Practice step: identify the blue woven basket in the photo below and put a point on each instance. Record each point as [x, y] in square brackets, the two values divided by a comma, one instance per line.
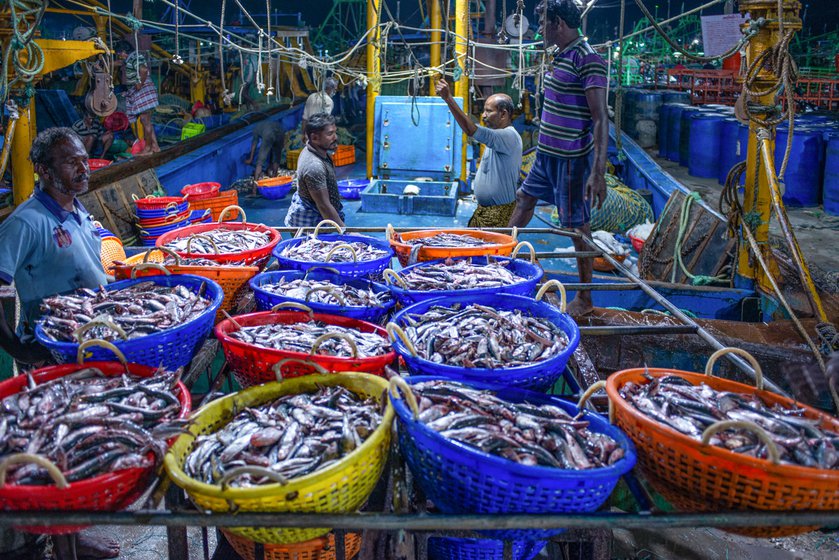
[275, 192]
[265, 300]
[162, 212]
[172, 348]
[446, 548]
[350, 189]
[531, 272]
[459, 478]
[539, 376]
[362, 269]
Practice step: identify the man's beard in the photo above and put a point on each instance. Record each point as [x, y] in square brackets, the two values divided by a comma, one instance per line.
[61, 187]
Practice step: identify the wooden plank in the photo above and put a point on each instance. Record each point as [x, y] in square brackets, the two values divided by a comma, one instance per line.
[109, 219]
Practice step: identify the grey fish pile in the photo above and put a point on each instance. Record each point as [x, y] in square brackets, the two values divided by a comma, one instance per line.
[139, 310]
[690, 409]
[89, 424]
[448, 240]
[300, 337]
[324, 291]
[317, 250]
[226, 241]
[528, 434]
[478, 336]
[198, 261]
[459, 275]
[293, 436]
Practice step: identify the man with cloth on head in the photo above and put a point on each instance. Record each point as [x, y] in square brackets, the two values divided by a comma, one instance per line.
[570, 166]
[317, 197]
[498, 175]
[320, 101]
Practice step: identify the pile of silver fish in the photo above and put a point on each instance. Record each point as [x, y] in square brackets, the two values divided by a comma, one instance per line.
[325, 292]
[226, 241]
[528, 434]
[448, 240]
[690, 409]
[317, 250]
[300, 337]
[89, 424]
[459, 275]
[139, 310]
[479, 336]
[198, 261]
[292, 436]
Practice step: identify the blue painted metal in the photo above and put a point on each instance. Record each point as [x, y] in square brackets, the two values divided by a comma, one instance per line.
[803, 177]
[54, 109]
[704, 149]
[831, 175]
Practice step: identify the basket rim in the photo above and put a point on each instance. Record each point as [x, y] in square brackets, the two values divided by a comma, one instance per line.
[621, 467]
[202, 228]
[264, 393]
[176, 269]
[335, 237]
[262, 278]
[567, 323]
[154, 202]
[616, 381]
[502, 240]
[215, 303]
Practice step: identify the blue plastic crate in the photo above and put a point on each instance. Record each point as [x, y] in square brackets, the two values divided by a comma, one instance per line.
[436, 198]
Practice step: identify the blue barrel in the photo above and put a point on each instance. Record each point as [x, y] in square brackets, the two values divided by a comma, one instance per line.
[803, 177]
[742, 147]
[674, 128]
[704, 150]
[729, 147]
[684, 134]
[682, 97]
[642, 105]
[831, 175]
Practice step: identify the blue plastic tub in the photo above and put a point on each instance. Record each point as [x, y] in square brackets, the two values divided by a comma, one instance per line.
[460, 478]
[200, 216]
[275, 192]
[350, 189]
[447, 548]
[538, 376]
[172, 348]
[532, 272]
[364, 269]
[265, 300]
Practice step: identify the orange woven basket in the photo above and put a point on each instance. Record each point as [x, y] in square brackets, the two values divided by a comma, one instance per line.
[501, 244]
[698, 477]
[322, 548]
[232, 279]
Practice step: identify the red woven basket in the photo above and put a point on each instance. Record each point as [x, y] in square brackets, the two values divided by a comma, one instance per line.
[201, 191]
[107, 492]
[252, 365]
[157, 202]
[698, 477]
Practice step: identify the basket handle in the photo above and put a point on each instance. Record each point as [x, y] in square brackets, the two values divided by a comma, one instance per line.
[397, 384]
[330, 290]
[591, 391]
[515, 234]
[342, 246]
[342, 336]
[389, 233]
[199, 236]
[232, 207]
[327, 223]
[709, 367]
[522, 245]
[771, 447]
[103, 344]
[100, 320]
[149, 265]
[164, 250]
[294, 305]
[19, 458]
[553, 284]
[834, 392]
[389, 273]
[251, 469]
[326, 268]
[278, 367]
[395, 331]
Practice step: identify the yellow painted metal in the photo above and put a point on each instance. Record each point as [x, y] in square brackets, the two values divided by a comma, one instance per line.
[461, 87]
[59, 54]
[23, 172]
[436, 36]
[374, 79]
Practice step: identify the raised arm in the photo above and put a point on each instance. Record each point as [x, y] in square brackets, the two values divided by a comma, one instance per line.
[462, 118]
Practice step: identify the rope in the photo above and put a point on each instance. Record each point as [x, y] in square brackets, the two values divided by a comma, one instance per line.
[619, 90]
[226, 98]
[684, 222]
[270, 91]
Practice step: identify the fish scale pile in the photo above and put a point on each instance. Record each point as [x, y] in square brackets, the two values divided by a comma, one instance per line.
[459, 275]
[292, 436]
[89, 424]
[226, 240]
[528, 434]
[316, 250]
[448, 240]
[690, 409]
[326, 292]
[300, 337]
[141, 309]
[479, 336]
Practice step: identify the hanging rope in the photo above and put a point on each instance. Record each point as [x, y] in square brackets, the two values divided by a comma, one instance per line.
[684, 222]
[226, 98]
[177, 58]
[270, 91]
[619, 90]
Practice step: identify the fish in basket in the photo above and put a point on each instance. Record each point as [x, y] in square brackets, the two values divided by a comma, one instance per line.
[415, 246]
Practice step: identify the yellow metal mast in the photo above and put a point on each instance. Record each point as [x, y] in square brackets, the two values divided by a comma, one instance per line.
[436, 22]
[461, 86]
[374, 79]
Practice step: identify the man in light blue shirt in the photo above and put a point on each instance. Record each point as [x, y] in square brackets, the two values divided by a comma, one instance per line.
[497, 178]
[49, 244]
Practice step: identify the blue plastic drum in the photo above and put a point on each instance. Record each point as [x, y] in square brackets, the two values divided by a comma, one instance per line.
[831, 175]
[705, 131]
[803, 177]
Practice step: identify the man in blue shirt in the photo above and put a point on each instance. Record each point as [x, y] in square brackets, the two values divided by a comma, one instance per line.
[49, 244]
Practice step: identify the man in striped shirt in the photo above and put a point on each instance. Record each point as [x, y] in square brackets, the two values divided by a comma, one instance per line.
[570, 166]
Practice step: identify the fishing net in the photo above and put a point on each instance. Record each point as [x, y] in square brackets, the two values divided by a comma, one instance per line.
[623, 209]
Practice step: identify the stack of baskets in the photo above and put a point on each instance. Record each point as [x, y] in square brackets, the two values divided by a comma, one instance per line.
[159, 215]
[112, 249]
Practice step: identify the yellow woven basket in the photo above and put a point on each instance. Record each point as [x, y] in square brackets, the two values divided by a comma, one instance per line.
[340, 488]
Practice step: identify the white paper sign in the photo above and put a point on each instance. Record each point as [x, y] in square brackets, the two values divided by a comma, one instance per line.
[720, 33]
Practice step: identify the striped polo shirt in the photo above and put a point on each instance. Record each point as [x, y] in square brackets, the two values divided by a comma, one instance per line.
[566, 120]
